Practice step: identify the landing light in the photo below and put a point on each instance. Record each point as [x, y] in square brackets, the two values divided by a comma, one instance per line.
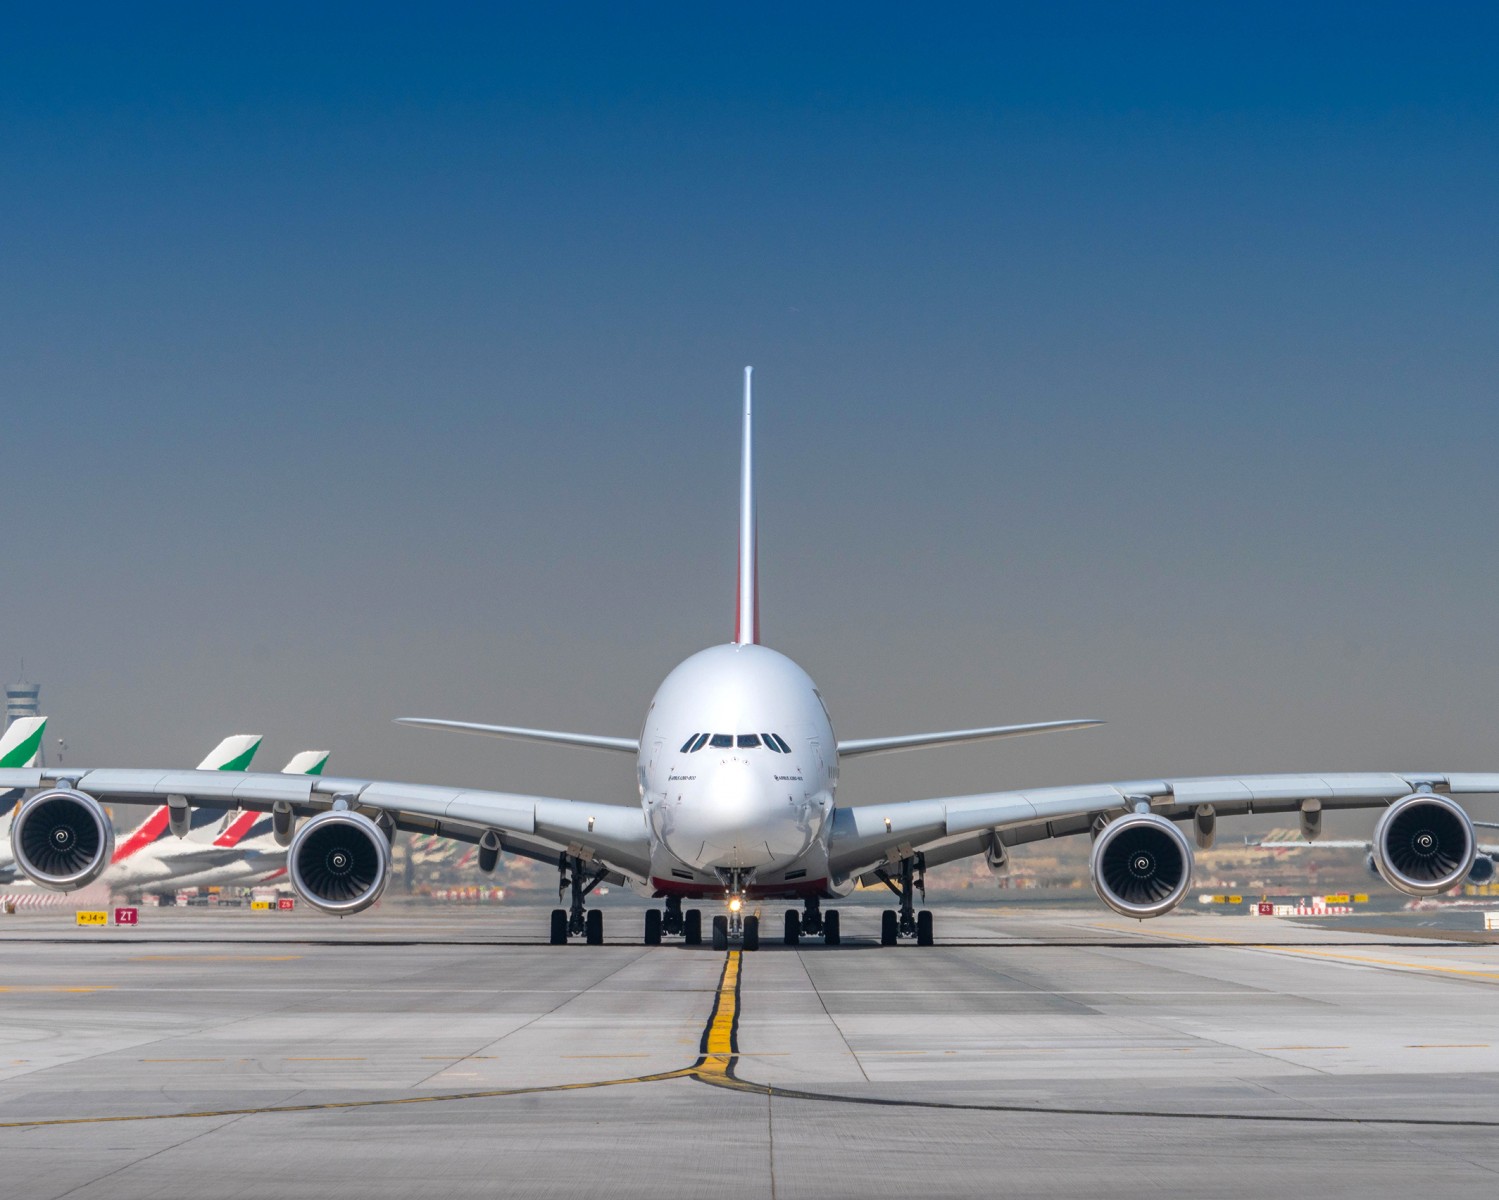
[735, 904]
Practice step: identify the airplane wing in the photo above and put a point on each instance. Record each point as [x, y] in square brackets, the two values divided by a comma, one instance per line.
[951, 737]
[533, 826]
[867, 837]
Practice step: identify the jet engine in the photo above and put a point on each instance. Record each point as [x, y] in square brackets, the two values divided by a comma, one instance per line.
[62, 839]
[1482, 870]
[1141, 865]
[1424, 844]
[339, 862]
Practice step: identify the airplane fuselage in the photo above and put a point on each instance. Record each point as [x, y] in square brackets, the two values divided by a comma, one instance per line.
[737, 769]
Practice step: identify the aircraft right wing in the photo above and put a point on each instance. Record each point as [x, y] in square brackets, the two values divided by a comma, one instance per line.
[952, 737]
[533, 826]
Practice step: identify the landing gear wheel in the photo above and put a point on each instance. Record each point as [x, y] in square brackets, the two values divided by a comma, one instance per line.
[692, 927]
[652, 927]
[924, 927]
[595, 932]
[793, 927]
[559, 926]
[889, 927]
[830, 933]
[751, 933]
[720, 933]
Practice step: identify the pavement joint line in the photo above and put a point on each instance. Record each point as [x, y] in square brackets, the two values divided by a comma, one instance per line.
[1359, 959]
[717, 1058]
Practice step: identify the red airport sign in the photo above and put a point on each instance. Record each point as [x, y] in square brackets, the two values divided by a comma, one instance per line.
[286, 904]
[127, 916]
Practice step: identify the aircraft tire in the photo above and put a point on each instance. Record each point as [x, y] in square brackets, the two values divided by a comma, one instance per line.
[692, 927]
[720, 933]
[594, 927]
[751, 933]
[559, 926]
[924, 927]
[889, 927]
[653, 927]
[831, 935]
[793, 927]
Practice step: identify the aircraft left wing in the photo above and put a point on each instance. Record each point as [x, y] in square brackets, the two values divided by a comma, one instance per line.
[534, 826]
[944, 830]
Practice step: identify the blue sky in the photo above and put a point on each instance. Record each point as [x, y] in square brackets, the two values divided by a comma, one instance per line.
[1129, 361]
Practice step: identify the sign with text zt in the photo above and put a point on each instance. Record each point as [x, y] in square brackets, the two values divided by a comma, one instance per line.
[93, 918]
[127, 916]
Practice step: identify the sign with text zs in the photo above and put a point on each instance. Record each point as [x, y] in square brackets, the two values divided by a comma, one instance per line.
[286, 904]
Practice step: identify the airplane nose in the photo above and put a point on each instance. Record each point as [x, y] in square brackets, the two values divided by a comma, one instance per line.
[735, 820]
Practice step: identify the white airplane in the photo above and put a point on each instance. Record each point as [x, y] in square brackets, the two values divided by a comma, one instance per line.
[737, 771]
[238, 851]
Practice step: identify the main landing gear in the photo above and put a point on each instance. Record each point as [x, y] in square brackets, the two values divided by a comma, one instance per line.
[906, 922]
[675, 922]
[573, 920]
[812, 921]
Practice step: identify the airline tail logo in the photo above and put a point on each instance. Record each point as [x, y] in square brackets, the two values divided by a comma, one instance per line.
[21, 744]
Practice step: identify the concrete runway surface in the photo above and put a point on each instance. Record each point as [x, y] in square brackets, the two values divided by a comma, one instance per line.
[417, 1052]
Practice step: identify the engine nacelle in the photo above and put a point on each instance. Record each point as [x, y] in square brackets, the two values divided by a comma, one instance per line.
[1482, 871]
[339, 862]
[62, 840]
[1424, 844]
[1141, 865]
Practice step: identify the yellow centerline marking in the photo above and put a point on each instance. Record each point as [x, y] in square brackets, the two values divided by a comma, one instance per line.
[718, 1044]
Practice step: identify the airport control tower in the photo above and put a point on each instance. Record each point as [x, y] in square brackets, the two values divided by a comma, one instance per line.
[23, 700]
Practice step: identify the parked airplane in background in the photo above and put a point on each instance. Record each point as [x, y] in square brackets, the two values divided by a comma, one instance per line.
[232, 754]
[239, 851]
[737, 771]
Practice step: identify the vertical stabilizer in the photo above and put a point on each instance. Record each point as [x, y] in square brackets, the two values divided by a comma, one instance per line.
[747, 609]
[232, 754]
[21, 745]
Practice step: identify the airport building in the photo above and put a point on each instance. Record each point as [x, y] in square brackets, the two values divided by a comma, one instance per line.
[23, 700]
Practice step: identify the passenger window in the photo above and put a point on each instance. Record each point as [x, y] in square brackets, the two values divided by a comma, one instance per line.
[748, 741]
[687, 745]
[723, 741]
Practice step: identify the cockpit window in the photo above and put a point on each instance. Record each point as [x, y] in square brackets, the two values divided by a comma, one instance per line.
[748, 741]
[779, 741]
[687, 745]
[702, 740]
[722, 741]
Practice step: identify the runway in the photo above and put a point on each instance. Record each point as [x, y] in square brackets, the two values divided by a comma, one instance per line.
[447, 1052]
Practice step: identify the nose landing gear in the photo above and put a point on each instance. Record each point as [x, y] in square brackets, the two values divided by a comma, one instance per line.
[906, 922]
